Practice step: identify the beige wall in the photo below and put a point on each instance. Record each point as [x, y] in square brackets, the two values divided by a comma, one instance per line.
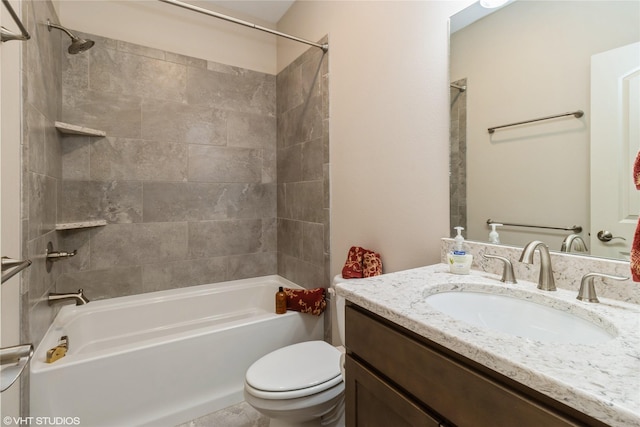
[389, 104]
[389, 116]
[167, 27]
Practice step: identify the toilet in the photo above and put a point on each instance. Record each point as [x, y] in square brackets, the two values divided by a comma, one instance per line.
[301, 384]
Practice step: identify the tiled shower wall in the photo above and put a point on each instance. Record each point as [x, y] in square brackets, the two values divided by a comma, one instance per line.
[186, 176]
[458, 159]
[41, 165]
[303, 170]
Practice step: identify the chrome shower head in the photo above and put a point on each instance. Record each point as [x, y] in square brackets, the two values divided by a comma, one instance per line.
[77, 45]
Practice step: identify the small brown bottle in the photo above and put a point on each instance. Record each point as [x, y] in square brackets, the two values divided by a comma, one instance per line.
[281, 301]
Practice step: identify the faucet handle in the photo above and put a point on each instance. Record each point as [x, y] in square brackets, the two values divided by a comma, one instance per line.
[587, 290]
[507, 271]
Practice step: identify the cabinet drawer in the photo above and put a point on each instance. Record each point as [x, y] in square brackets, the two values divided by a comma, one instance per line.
[460, 394]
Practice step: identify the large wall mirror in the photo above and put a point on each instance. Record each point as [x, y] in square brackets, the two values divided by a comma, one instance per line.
[534, 59]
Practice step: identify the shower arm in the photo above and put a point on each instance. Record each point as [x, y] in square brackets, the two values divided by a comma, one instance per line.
[51, 24]
[324, 47]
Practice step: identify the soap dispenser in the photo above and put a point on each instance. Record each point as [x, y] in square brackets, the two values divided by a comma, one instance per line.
[493, 235]
[459, 260]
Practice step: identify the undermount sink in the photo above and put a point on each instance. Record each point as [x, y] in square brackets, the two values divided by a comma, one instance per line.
[518, 317]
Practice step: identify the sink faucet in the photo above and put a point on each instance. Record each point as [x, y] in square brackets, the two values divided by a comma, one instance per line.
[545, 280]
[573, 240]
[587, 290]
[78, 297]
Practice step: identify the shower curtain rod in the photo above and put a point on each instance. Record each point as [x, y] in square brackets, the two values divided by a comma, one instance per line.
[324, 47]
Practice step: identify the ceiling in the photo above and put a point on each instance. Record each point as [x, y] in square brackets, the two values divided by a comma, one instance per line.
[266, 10]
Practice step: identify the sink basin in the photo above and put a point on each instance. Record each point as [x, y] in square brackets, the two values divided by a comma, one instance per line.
[518, 317]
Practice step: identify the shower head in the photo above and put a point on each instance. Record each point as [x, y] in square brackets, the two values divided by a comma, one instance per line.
[77, 45]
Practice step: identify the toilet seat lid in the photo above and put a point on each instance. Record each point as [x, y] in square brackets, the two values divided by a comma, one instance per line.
[295, 367]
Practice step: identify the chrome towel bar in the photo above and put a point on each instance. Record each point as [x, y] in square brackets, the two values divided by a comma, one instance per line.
[15, 265]
[574, 228]
[6, 35]
[576, 114]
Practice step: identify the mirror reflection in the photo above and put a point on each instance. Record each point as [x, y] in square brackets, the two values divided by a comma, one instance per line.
[531, 60]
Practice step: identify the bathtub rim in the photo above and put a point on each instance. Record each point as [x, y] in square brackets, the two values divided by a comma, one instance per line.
[70, 311]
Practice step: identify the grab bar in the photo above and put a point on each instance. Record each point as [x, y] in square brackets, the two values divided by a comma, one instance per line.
[6, 35]
[574, 228]
[16, 266]
[13, 360]
[577, 114]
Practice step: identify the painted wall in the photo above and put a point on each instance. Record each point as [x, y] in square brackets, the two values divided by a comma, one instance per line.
[389, 123]
[516, 72]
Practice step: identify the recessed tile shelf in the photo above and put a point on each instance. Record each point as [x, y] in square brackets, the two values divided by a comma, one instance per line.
[70, 129]
[81, 224]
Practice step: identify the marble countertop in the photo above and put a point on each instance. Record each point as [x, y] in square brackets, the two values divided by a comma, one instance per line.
[601, 380]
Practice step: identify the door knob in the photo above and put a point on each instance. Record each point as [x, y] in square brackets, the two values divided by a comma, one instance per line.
[606, 236]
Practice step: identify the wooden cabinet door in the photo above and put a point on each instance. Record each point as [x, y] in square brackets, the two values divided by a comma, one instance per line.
[373, 403]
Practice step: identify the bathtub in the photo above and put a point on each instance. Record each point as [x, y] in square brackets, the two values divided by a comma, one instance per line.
[161, 358]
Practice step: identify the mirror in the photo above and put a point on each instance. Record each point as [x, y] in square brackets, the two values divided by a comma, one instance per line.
[529, 60]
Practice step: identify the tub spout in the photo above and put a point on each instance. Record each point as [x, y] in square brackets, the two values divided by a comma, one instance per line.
[78, 297]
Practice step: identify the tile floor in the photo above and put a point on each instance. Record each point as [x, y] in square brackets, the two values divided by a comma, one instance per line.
[240, 415]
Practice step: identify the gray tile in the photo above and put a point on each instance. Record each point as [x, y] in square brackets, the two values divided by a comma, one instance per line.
[136, 159]
[115, 71]
[252, 265]
[249, 92]
[219, 238]
[179, 122]
[195, 201]
[103, 283]
[290, 237]
[42, 204]
[186, 60]
[290, 164]
[313, 243]
[304, 201]
[312, 160]
[118, 245]
[179, 274]
[140, 50]
[251, 130]
[224, 164]
[75, 157]
[114, 201]
[34, 131]
[118, 114]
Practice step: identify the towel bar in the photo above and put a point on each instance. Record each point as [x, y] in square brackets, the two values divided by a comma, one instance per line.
[574, 228]
[576, 114]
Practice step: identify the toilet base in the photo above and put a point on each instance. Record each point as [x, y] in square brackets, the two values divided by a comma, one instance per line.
[335, 418]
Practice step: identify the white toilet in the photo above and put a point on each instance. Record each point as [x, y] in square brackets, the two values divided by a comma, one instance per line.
[301, 384]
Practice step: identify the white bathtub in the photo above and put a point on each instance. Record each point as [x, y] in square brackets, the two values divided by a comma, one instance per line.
[162, 358]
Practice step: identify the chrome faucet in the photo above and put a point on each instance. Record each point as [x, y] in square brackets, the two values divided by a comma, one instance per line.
[79, 297]
[573, 240]
[545, 280]
[587, 290]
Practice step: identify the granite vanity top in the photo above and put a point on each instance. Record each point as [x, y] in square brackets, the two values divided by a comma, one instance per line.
[601, 380]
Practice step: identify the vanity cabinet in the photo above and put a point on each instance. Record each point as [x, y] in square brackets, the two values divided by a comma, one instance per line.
[396, 377]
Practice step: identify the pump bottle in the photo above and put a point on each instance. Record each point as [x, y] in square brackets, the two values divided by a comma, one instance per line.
[459, 260]
[493, 235]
